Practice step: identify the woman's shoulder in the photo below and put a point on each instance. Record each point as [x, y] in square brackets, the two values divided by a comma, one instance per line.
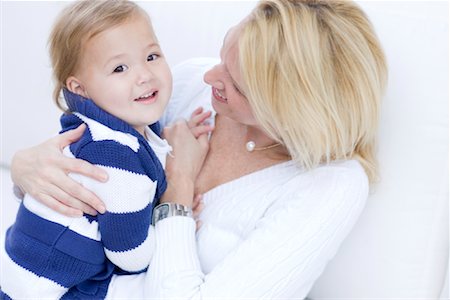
[336, 181]
[343, 171]
[335, 192]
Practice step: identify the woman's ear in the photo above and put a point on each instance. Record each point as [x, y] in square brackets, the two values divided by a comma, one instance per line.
[74, 85]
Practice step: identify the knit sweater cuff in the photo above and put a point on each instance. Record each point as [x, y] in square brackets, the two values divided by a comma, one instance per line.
[176, 242]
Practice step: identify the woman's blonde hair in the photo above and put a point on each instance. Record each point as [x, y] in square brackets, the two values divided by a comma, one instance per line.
[75, 25]
[314, 73]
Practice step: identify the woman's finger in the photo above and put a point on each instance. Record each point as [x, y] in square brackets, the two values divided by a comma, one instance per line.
[71, 136]
[85, 168]
[80, 197]
[46, 190]
[57, 206]
[68, 200]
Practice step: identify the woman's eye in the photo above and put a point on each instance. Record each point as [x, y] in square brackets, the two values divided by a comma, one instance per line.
[152, 57]
[237, 89]
[120, 69]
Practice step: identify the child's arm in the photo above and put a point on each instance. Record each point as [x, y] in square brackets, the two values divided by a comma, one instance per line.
[128, 197]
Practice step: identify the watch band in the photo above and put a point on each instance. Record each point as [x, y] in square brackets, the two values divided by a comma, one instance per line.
[165, 210]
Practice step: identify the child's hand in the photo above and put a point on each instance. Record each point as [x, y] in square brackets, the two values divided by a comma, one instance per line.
[197, 207]
[197, 123]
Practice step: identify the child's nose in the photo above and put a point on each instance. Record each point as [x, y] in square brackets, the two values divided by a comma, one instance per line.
[144, 75]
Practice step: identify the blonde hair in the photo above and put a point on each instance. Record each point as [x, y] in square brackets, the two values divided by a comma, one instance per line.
[314, 73]
[75, 25]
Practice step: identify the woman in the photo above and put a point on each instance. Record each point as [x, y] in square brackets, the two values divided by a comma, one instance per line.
[296, 96]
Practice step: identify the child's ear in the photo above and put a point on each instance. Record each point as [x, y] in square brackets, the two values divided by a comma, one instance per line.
[75, 86]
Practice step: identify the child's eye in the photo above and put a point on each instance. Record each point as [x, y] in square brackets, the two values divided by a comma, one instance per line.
[120, 69]
[152, 57]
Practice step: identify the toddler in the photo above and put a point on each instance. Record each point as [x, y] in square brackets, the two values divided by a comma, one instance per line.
[110, 68]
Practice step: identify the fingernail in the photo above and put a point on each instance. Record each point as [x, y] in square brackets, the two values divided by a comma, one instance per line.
[104, 177]
[101, 209]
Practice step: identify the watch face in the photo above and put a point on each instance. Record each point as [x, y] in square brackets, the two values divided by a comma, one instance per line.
[163, 212]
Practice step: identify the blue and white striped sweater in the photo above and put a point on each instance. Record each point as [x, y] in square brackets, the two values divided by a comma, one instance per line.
[51, 253]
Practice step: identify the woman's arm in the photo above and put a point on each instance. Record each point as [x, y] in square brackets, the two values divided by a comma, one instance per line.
[42, 172]
[281, 258]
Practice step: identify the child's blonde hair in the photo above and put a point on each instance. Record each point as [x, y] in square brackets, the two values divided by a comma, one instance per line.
[75, 25]
[314, 74]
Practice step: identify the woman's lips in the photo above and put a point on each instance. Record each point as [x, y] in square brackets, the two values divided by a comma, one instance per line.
[218, 96]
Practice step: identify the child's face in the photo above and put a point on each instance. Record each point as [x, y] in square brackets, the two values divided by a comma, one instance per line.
[124, 72]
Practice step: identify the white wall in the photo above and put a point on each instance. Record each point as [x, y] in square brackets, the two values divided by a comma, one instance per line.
[185, 29]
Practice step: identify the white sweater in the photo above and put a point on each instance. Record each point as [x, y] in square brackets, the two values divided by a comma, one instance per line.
[267, 235]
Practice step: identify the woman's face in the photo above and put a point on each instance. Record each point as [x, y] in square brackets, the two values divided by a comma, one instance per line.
[225, 79]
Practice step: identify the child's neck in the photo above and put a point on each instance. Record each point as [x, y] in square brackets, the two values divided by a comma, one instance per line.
[141, 130]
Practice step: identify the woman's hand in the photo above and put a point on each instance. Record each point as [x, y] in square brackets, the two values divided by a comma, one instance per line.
[41, 171]
[190, 145]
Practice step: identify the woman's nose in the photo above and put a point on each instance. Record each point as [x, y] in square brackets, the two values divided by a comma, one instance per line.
[213, 78]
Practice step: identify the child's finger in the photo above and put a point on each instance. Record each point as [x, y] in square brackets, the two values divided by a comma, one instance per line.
[197, 199]
[197, 205]
[198, 210]
[194, 116]
[197, 111]
[202, 129]
[198, 224]
[199, 119]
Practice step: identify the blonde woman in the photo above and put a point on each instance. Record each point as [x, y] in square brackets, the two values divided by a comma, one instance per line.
[296, 97]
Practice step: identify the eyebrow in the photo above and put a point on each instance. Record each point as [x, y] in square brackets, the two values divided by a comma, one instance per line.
[154, 44]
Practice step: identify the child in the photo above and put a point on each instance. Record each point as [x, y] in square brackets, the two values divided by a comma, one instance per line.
[108, 63]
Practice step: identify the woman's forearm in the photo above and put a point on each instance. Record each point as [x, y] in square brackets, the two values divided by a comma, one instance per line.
[179, 190]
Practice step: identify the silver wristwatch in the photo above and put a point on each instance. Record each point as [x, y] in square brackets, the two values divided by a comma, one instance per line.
[165, 210]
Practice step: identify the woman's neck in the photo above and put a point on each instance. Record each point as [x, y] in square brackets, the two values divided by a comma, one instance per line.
[242, 134]
[228, 154]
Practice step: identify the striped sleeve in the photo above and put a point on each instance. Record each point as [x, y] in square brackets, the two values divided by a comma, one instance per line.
[128, 196]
